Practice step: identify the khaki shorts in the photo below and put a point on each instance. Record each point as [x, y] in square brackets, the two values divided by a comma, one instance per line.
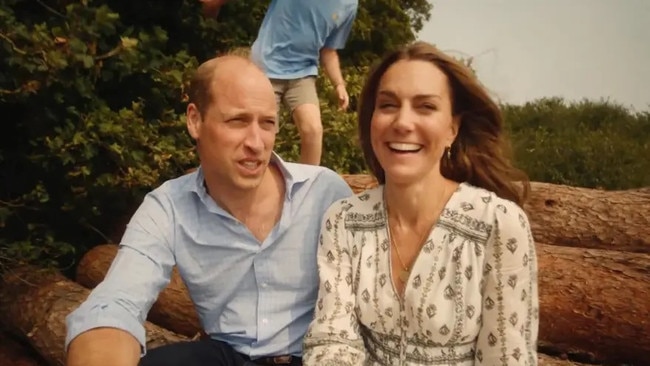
[295, 92]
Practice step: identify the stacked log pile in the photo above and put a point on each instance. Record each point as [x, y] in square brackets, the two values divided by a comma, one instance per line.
[593, 250]
[35, 303]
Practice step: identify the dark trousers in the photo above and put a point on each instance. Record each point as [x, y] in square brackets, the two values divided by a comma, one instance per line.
[204, 352]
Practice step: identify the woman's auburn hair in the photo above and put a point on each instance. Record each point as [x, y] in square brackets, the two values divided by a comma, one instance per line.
[480, 154]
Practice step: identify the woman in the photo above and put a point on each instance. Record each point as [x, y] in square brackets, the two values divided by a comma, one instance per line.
[437, 265]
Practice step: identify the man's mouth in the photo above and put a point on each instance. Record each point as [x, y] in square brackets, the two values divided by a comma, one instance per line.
[250, 164]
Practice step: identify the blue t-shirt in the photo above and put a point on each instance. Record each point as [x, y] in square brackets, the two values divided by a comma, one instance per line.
[294, 31]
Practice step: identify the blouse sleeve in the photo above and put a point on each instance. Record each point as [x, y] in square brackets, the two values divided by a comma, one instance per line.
[333, 337]
[510, 310]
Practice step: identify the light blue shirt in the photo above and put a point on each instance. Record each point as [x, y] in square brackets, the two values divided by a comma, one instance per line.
[294, 31]
[259, 298]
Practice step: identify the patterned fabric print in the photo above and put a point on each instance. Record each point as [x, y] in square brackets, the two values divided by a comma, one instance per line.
[471, 298]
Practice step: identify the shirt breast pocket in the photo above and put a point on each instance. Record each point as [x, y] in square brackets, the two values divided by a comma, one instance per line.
[294, 258]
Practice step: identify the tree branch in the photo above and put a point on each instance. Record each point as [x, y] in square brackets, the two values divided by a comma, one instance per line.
[51, 10]
[13, 45]
[110, 53]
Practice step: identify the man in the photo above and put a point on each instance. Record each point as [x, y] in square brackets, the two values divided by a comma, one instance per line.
[295, 35]
[242, 230]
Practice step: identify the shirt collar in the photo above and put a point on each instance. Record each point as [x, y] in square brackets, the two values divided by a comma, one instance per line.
[293, 176]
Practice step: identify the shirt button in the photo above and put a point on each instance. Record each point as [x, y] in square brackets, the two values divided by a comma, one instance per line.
[264, 321]
[264, 284]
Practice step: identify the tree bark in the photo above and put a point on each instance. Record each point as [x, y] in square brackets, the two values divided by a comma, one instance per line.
[35, 302]
[577, 217]
[173, 309]
[545, 360]
[595, 302]
[590, 218]
[360, 182]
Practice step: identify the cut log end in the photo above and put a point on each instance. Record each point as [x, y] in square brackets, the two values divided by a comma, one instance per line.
[35, 304]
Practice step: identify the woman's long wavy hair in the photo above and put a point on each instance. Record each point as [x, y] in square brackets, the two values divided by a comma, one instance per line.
[480, 153]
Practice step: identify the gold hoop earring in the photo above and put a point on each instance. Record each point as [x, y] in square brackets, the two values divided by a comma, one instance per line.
[448, 152]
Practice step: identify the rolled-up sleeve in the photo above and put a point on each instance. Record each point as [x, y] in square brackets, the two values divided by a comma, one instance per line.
[140, 270]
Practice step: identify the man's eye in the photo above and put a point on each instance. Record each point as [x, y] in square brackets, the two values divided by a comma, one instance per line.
[268, 124]
[236, 120]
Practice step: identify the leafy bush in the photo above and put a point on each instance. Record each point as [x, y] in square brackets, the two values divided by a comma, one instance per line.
[341, 149]
[93, 99]
[595, 144]
[96, 91]
[87, 140]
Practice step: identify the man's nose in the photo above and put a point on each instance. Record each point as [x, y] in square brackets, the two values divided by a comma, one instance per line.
[254, 139]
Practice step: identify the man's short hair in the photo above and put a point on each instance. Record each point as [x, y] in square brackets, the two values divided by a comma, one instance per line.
[200, 90]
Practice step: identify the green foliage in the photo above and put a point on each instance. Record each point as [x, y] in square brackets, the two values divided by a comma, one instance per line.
[96, 126]
[587, 144]
[341, 149]
[93, 95]
[96, 91]
[383, 25]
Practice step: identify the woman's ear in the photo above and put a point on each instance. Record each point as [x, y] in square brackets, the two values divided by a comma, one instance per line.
[193, 120]
[455, 127]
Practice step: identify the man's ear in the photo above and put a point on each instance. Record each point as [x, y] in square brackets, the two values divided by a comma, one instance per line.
[193, 120]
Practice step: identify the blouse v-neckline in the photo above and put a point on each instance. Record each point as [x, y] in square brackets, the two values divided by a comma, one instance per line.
[396, 294]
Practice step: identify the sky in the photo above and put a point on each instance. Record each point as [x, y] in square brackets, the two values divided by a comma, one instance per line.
[528, 49]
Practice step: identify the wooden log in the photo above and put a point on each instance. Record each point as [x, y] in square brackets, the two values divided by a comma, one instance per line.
[595, 302]
[586, 300]
[34, 304]
[173, 309]
[360, 182]
[564, 215]
[590, 218]
[577, 217]
[545, 360]
[15, 353]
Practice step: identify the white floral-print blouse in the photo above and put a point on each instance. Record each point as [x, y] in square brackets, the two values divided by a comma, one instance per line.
[471, 298]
